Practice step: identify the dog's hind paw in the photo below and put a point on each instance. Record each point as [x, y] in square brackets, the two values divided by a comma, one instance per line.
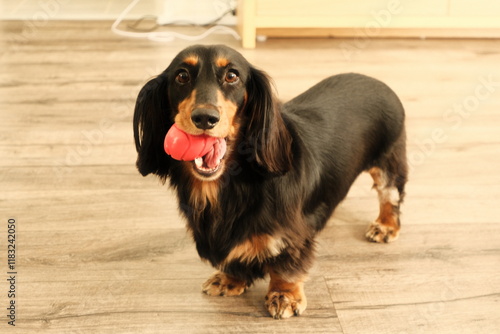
[378, 232]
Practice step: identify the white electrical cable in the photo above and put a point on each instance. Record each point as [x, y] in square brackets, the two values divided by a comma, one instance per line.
[166, 36]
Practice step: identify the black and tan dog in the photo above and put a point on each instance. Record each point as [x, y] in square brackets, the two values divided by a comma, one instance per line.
[287, 166]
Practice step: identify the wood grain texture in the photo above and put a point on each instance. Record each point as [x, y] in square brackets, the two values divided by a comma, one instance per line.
[103, 250]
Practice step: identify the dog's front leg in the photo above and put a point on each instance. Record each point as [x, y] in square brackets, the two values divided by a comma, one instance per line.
[285, 297]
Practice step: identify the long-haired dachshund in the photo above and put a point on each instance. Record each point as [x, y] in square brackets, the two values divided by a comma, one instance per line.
[256, 209]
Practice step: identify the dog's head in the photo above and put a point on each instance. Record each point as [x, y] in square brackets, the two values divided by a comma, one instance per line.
[211, 90]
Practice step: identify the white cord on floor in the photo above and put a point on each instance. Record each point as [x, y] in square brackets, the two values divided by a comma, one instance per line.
[166, 36]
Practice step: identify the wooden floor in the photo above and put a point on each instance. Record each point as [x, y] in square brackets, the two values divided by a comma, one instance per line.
[100, 249]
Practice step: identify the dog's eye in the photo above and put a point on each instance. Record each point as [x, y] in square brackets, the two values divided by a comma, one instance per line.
[183, 77]
[232, 76]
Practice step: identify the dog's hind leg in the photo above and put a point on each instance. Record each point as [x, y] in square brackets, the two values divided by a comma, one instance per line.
[389, 175]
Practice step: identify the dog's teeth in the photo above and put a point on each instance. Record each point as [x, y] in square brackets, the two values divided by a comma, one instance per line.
[198, 162]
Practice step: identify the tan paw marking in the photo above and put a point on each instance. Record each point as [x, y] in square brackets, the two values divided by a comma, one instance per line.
[285, 298]
[282, 305]
[221, 284]
[378, 232]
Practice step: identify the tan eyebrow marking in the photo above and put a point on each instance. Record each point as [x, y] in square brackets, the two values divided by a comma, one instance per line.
[222, 62]
[191, 60]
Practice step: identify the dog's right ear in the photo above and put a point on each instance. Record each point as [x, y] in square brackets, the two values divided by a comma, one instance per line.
[151, 123]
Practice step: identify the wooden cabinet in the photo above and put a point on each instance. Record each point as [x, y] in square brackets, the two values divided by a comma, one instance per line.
[368, 18]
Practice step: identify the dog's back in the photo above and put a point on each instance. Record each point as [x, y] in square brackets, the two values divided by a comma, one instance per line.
[352, 110]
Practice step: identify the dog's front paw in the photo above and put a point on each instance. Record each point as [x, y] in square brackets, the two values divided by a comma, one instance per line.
[378, 232]
[282, 305]
[221, 284]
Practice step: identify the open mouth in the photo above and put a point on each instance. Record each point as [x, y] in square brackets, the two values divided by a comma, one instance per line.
[211, 163]
[205, 152]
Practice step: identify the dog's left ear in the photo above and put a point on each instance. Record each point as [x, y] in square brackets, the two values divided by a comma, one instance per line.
[266, 132]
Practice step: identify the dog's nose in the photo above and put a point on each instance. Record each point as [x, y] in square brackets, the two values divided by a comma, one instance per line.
[205, 119]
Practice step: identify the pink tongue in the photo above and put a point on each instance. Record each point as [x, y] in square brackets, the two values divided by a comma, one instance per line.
[213, 157]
